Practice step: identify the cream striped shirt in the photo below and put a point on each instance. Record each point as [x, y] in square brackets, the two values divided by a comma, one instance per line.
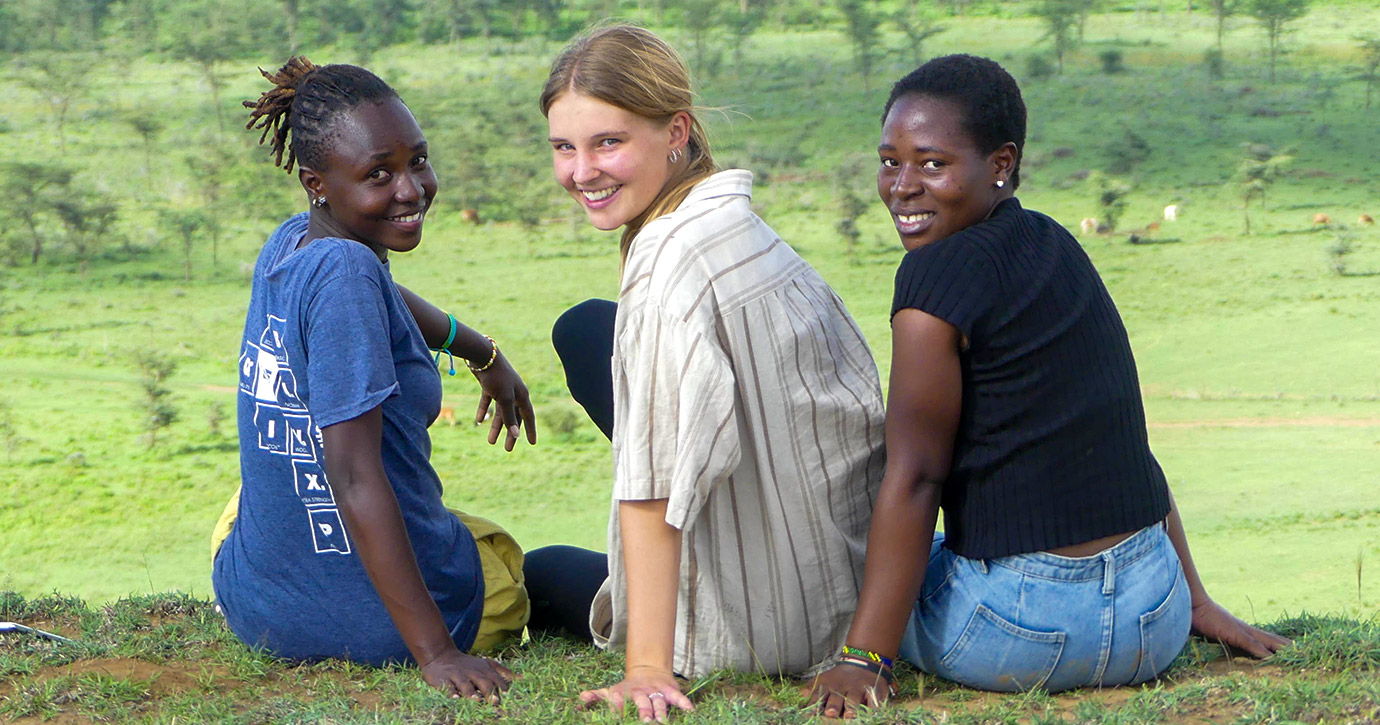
[745, 395]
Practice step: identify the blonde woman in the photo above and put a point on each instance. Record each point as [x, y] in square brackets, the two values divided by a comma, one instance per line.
[743, 404]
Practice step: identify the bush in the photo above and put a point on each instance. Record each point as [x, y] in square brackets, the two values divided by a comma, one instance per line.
[1111, 61]
[1212, 58]
[1039, 66]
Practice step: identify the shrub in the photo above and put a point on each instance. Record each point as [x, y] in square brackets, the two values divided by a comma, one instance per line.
[1111, 61]
[1038, 65]
[1213, 60]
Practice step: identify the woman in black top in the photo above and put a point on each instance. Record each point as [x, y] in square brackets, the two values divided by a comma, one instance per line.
[1014, 406]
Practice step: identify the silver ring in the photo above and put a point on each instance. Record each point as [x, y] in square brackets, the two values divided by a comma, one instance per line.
[656, 694]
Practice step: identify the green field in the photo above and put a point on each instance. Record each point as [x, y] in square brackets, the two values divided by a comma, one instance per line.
[1259, 363]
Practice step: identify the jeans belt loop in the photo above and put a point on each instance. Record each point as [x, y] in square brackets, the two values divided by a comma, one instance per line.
[1108, 573]
[980, 564]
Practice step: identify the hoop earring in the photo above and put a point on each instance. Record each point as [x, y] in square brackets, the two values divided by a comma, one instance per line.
[675, 155]
[319, 202]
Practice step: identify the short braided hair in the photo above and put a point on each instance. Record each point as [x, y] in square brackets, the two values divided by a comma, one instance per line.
[299, 111]
[993, 110]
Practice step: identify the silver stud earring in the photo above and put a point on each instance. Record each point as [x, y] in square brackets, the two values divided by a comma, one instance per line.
[319, 202]
[675, 155]
[1000, 183]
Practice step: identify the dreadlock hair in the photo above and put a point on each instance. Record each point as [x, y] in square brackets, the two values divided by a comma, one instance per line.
[988, 97]
[631, 68]
[300, 109]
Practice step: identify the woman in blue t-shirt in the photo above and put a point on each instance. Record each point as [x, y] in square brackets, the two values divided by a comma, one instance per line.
[1014, 406]
[338, 544]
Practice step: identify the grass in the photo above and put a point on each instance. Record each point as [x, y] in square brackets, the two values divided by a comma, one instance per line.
[156, 658]
[1256, 360]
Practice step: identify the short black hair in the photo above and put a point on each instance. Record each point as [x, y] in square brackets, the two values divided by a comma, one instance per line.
[305, 99]
[993, 110]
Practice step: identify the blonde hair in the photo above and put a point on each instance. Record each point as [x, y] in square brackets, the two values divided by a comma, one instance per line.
[631, 68]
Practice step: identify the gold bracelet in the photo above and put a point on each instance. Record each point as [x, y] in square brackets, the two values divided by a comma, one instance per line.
[492, 357]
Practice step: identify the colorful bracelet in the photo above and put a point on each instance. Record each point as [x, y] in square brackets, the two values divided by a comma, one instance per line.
[868, 655]
[445, 346]
[492, 357]
[875, 668]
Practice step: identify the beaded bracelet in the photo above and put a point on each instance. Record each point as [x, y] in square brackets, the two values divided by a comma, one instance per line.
[492, 357]
[868, 655]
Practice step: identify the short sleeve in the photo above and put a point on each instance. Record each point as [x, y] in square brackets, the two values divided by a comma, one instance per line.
[948, 279]
[675, 429]
[350, 368]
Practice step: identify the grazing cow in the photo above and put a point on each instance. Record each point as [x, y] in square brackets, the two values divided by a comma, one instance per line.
[448, 415]
[1321, 218]
[1152, 227]
[1365, 219]
[1088, 226]
[1171, 213]
[470, 215]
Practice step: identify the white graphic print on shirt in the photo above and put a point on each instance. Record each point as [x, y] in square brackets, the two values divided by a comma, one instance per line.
[286, 429]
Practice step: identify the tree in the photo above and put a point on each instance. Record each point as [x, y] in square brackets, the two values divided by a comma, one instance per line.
[9, 435]
[60, 80]
[917, 24]
[1256, 172]
[31, 191]
[87, 219]
[187, 225]
[292, 18]
[208, 168]
[208, 33]
[1059, 17]
[1221, 10]
[1370, 63]
[154, 371]
[147, 128]
[1083, 9]
[851, 208]
[699, 17]
[1274, 16]
[861, 25]
[1111, 199]
[742, 23]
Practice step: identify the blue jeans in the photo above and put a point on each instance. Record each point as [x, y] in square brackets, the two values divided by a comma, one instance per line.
[1052, 622]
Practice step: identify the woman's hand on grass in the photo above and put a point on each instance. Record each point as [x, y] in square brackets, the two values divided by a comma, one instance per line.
[501, 385]
[653, 691]
[1210, 620]
[460, 675]
[840, 690]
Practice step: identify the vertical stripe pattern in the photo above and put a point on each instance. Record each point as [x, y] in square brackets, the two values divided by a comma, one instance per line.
[746, 396]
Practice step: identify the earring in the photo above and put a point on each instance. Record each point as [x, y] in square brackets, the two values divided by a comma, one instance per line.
[319, 202]
[675, 155]
[1000, 183]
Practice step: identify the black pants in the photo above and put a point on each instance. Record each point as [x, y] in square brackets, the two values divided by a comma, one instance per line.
[562, 580]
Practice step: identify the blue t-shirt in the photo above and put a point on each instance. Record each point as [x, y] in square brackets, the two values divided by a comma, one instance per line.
[328, 338]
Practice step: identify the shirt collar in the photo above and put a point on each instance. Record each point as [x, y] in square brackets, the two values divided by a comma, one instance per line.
[732, 182]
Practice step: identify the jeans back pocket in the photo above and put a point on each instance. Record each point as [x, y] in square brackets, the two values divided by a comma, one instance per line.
[994, 654]
[1163, 631]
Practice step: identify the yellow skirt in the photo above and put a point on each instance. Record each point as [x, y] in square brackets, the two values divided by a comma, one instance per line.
[505, 597]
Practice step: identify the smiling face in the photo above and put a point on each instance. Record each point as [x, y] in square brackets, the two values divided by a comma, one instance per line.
[933, 178]
[613, 162]
[376, 179]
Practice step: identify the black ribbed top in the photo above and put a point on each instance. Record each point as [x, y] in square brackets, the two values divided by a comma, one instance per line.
[1051, 448]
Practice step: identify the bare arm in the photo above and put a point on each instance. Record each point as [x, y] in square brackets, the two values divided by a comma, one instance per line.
[354, 467]
[500, 383]
[1209, 618]
[651, 556]
[923, 408]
